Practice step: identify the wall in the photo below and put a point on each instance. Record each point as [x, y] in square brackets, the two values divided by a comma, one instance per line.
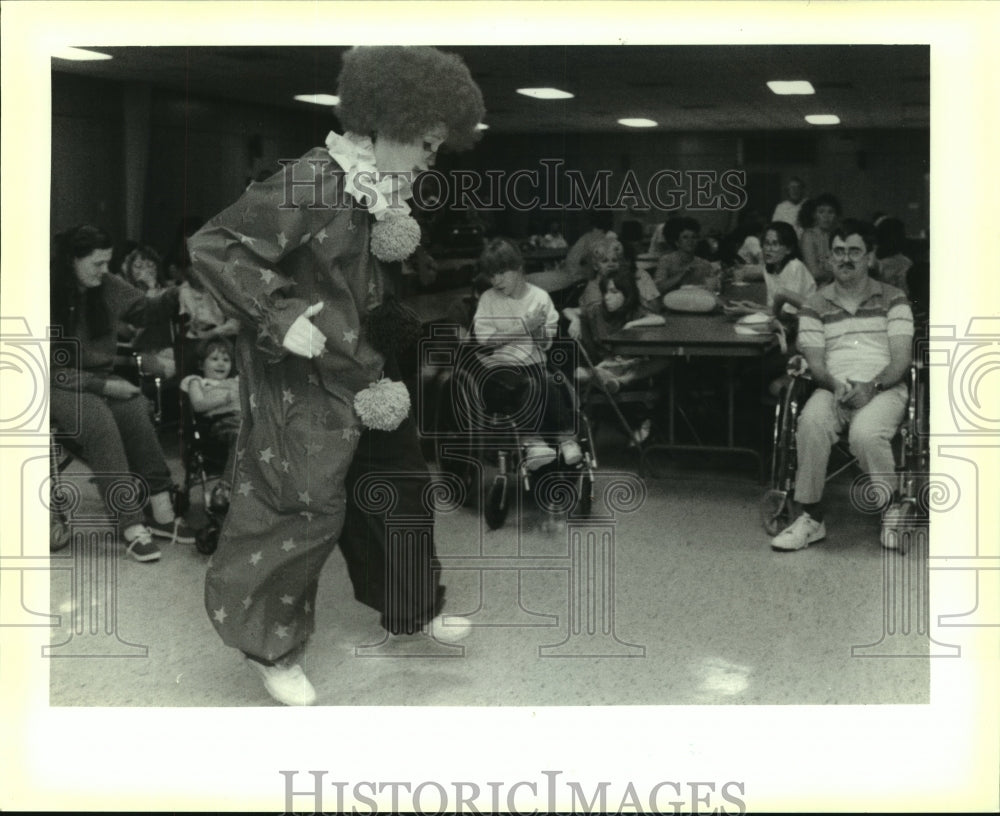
[867, 170]
[202, 153]
[87, 172]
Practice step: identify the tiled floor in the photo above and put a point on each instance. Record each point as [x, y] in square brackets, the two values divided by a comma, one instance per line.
[678, 602]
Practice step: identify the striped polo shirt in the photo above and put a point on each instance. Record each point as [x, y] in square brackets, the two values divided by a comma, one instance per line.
[856, 342]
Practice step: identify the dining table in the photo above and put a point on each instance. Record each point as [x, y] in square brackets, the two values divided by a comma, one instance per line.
[693, 336]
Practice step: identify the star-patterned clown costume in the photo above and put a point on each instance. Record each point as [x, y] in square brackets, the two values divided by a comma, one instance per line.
[286, 244]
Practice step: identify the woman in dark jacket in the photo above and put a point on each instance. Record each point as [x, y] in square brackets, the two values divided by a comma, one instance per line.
[108, 414]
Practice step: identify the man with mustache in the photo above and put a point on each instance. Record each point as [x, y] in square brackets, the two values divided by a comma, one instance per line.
[856, 334]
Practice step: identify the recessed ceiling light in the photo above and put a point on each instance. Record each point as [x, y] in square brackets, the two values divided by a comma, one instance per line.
[319, 99]
[545, 93]
[482, 126]
[637, 123]
[823, 119]
[798, 86]
[80, 54]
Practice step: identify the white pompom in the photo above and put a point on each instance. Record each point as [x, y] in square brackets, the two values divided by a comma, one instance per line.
[383, 405]
[395, 239]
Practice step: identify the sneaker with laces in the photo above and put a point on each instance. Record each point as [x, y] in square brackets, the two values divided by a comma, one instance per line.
[798, 535]
[141, 546]
[286, 684]
[896, 523]
[537, 454]
[448, 630]
[175, 530]
[571, 453]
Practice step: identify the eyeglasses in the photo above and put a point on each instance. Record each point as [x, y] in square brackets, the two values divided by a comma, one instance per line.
[854, 253]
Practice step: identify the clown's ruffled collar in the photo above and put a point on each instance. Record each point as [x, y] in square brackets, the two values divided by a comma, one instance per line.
[385, 197]
[396, 234]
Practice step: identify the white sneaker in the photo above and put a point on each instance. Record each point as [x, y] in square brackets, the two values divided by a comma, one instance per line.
[800, 534]
[897, 520]
[451, 631]
[286, 684]
[537, 454]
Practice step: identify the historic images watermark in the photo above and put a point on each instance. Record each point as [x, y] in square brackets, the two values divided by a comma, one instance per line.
[551, 794]
[550, 187]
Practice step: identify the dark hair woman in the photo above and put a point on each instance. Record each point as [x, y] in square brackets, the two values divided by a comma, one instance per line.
[106, 414]
[819, 217]
[681, 266]
[788, 282]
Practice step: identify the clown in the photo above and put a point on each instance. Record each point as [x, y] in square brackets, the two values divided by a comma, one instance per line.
[307, 262]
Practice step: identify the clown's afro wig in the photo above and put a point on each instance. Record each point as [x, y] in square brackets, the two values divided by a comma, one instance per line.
[401, 91]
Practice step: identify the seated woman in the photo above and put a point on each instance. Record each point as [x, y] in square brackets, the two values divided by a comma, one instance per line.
[143, 269]
[116, 436]
[215, 393]
[681, 266]
[819, 218]
[618, 308]
[891, 265]
[786, 278]
[789, 284]
[517, 322]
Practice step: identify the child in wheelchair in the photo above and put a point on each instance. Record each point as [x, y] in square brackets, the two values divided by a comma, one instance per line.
[515, 324]
[214, 396]
[618, 308]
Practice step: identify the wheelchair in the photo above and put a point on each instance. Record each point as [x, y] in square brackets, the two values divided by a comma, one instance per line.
[204, 460]
[909, 445]
[642, 398]
[472, 437]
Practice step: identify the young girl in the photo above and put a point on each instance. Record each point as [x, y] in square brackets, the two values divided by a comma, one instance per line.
[216, 394]
[620, 307]
[518, 321]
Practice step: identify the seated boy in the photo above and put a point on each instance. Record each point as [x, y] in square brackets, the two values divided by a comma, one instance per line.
[517, 321]
[216, 395]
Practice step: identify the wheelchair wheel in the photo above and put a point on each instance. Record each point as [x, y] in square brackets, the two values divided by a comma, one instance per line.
[497, 502]
[775, 511]
[207, 539]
